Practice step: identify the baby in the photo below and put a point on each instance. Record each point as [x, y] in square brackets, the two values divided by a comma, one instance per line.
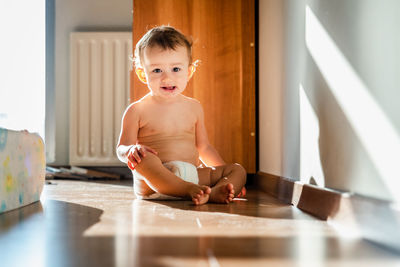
[163, 135]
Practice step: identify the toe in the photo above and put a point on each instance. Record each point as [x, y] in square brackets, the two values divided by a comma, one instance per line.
[206, 190]
[229, 187]
[244, 191]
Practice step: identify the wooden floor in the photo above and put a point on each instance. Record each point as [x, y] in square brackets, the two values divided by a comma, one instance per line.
[101, 224]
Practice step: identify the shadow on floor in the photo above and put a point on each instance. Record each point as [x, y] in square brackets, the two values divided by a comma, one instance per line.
[45, 234]
[53, 234]
[255, 204]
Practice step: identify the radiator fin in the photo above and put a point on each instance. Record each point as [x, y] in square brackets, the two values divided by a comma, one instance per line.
[99, 71]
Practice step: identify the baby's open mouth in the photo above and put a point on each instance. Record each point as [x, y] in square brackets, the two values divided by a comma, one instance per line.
[169, 88]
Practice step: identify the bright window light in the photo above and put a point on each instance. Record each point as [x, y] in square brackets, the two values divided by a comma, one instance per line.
[369, 122]
[22, 65]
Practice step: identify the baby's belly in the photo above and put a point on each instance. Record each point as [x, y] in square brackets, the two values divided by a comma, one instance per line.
[171, 148]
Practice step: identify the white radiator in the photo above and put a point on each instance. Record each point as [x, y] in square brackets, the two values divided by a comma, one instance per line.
[99, 80]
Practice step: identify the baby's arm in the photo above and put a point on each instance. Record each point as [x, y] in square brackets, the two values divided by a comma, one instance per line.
[128, 150]
[208, 154]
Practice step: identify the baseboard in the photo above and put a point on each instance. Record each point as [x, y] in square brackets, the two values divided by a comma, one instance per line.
[284, 189]
[373, 219]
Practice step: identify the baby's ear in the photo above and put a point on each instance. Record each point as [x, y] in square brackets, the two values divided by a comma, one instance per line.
[192, 69]
[141, 75]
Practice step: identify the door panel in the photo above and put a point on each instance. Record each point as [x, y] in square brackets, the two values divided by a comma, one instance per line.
[223, 40]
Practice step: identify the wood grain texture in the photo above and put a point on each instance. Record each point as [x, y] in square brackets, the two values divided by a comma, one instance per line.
[102, 224]
[223, 34]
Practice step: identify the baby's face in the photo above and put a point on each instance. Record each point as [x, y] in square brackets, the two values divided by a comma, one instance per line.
[167, 71]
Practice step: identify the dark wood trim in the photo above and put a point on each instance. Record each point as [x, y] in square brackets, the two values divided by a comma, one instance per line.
[284, 189]
[374, 219]
[319, 202]
[323, 203]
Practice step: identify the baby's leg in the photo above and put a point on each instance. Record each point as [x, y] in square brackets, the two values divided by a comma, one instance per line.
[226, 181]
[161, 180]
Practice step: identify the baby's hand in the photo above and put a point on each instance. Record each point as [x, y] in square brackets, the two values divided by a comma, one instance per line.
[136, 153]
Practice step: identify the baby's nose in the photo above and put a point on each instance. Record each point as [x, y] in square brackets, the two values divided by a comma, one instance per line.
[166, 77]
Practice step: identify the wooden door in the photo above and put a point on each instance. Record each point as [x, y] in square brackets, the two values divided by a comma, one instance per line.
[223, 36]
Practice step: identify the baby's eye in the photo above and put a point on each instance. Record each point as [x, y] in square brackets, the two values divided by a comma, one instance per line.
[157, 70]
[176, 69]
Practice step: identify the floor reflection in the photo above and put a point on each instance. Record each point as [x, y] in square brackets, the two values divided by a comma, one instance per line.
[152, 233]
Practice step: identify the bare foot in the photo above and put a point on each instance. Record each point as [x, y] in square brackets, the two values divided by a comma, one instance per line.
[242, 192]
[199, 194]
[222, 193]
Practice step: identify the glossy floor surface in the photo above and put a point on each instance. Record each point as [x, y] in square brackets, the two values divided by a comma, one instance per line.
[102, 224]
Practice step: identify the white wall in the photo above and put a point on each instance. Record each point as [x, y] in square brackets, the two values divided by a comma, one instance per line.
[270, 84]
[70, 16]
[341, 84]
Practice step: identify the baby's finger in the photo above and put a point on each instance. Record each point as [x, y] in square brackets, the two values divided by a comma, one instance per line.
[135, 157]
[131, 165]
[142, 152]
[132, 160]
[131, 156]
[152, 150]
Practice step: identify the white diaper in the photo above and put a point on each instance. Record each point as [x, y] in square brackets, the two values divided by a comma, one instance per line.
[182, 169]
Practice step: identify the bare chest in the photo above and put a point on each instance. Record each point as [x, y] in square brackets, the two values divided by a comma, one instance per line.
[167, 121]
